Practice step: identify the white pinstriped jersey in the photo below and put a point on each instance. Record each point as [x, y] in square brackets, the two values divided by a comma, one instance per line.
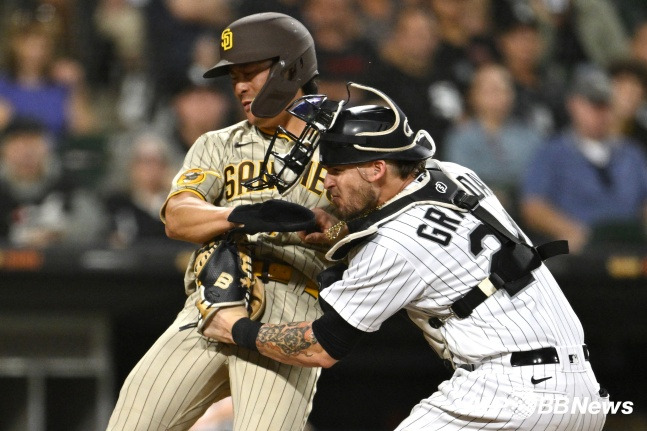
[429, 256]
[215, 168]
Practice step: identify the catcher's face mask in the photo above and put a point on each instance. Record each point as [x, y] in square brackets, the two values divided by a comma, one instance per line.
[319, 114]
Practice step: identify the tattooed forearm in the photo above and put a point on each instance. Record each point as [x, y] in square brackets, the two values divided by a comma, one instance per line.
[291, 339]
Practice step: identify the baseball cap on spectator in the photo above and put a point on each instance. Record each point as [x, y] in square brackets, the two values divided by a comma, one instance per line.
[22, 125]
[592, 84]
[510, 17]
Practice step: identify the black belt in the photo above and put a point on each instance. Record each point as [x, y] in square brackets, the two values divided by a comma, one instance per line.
[547, 355]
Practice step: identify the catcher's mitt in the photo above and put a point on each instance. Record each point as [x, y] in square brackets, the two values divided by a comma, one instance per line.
[225, 278]
[273, 216]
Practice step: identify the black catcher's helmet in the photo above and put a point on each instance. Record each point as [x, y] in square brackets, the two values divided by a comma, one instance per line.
[265, 36]
[371, 132]
[343, 136]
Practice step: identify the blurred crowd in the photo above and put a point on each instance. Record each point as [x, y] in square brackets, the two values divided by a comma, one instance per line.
[545, 99]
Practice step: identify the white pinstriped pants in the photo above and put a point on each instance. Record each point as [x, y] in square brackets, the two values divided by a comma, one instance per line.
[497, 396]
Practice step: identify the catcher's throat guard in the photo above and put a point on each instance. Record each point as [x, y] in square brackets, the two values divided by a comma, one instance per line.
[319, 113]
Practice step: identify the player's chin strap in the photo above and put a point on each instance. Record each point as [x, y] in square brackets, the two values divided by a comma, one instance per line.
[511, 267]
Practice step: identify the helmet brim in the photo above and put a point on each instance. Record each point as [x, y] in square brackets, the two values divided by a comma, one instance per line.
[220, 69]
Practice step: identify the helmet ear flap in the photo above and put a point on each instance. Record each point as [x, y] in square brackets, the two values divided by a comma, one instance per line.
[276, 93]
[283, 82]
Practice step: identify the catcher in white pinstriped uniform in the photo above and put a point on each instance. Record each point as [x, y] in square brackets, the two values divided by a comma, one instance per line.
[435, 241]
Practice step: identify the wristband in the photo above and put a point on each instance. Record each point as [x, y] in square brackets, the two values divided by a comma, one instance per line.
[244, 333]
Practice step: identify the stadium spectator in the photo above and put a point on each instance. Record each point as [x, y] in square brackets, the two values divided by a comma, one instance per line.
[378, 18]
[120, 29]
[192, 110]
[343, 53]
[582, 31]
[586, 184]
[120, 22]
[539, 89]
[628, 104]
[172, 29]
[465, 39]
[39, 206]
[133, 207]
[406, 71]
[450, 14]
[493, 143]
[38, 84]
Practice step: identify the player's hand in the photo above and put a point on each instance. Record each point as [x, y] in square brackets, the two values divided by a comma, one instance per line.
[324, 222]
[219, 327]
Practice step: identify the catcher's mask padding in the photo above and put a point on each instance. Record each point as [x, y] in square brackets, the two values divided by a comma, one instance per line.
[265, 36]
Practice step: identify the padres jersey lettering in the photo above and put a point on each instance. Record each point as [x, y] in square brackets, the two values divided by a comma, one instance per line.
[236, 175]
[314, 176]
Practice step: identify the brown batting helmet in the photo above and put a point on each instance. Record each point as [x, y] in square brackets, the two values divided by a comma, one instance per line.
[265, 36]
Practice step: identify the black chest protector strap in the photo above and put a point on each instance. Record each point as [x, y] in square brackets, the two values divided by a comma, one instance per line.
[511, 270]
[512, 265]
